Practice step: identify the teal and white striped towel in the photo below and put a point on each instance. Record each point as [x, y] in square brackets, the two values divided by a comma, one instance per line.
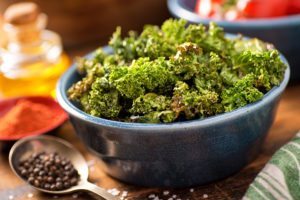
[280, 178]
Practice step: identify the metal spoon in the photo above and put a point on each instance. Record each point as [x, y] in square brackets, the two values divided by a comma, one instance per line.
[27, 146]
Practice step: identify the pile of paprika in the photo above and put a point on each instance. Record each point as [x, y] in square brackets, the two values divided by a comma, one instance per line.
[26, 117]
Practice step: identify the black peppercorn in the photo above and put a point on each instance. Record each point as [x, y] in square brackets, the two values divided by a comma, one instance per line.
[49, 171]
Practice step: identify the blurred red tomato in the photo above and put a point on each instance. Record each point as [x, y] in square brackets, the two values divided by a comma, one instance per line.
[263, 8]
[294, 7]
[247, 9]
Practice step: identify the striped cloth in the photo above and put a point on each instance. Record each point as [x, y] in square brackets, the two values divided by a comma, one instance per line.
[280, 178]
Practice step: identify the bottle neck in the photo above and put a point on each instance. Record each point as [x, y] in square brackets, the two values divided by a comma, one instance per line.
[30, 49]
[25, 38]
[16, 65]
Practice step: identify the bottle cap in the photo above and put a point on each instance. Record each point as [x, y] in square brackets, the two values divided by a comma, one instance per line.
[23, 23]
[21, 13]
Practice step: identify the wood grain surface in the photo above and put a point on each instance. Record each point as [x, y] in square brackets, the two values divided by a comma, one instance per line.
[286, 124]
[92, 21]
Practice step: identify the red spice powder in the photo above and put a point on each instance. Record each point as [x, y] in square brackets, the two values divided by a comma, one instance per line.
[26, 116]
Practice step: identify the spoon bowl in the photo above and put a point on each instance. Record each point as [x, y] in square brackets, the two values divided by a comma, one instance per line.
[22, 150]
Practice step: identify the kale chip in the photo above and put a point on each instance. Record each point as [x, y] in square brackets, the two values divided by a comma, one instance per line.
[175, 72]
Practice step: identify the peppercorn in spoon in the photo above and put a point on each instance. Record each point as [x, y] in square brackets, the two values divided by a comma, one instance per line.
[52, 165]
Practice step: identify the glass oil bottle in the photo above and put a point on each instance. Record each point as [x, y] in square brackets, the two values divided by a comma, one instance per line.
[31, 59]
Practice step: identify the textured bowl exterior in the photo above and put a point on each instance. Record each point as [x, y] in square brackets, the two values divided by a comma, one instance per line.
[283, 32]
[178, 154]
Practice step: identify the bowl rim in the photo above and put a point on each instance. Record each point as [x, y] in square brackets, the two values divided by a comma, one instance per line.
[180, 11]
[70, 108]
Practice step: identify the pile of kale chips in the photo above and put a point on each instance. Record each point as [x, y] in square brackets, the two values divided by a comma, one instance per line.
[174, 73]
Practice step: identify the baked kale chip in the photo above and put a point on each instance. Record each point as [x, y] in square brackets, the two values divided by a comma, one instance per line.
[175, 72]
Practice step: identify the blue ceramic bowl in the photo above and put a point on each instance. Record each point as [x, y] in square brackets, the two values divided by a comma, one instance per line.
[283, 32]
[177, 154]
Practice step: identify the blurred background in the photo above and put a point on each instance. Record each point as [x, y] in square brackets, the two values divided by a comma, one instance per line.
[91, 22]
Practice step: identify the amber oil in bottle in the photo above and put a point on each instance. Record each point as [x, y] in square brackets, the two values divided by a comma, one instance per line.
[31, 60]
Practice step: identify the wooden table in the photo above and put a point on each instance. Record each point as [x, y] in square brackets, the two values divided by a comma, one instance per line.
[286, 124]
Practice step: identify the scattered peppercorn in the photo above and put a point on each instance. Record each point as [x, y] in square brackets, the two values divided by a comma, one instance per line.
[49, 171]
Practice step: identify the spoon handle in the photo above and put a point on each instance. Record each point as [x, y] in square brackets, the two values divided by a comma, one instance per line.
[98, 191]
